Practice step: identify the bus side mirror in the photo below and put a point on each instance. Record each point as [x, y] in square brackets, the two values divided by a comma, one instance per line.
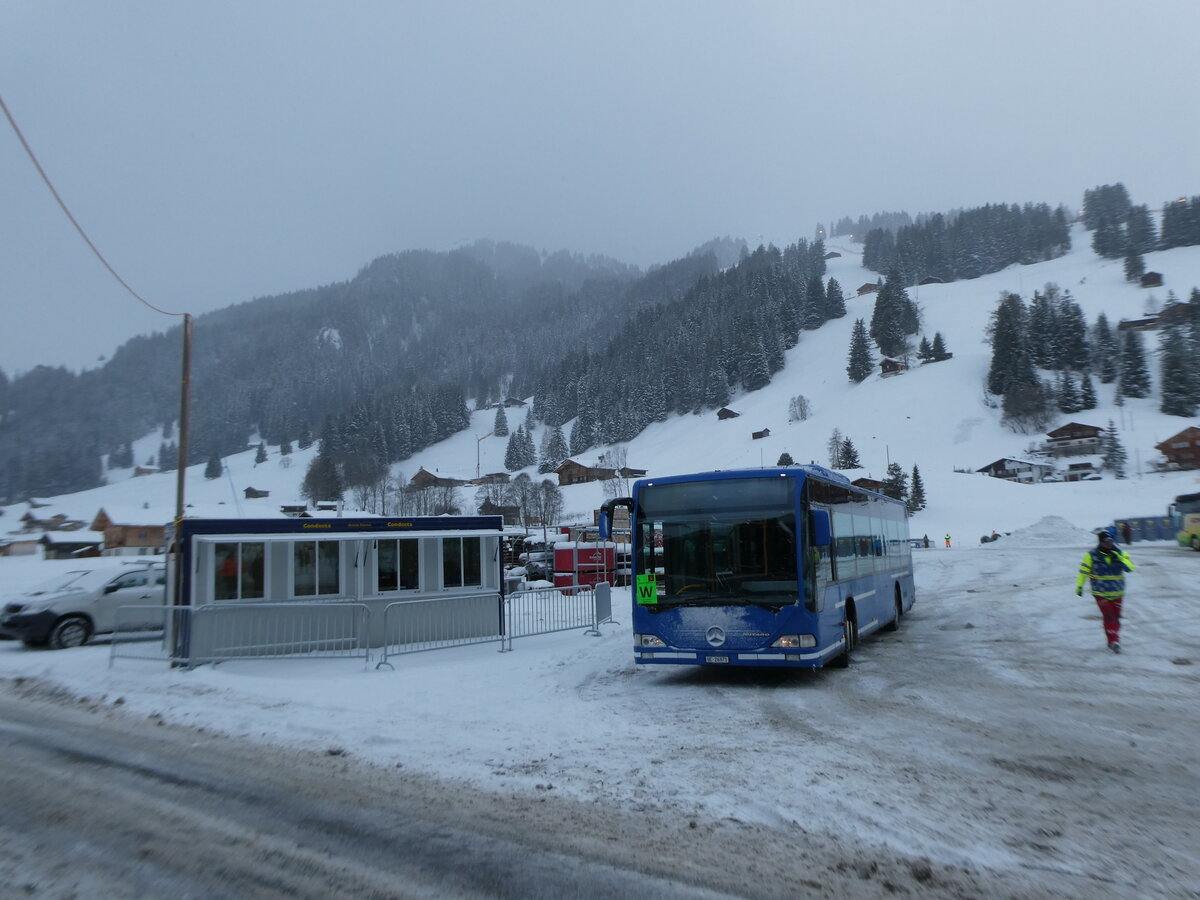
[604, 522]
[821, 531]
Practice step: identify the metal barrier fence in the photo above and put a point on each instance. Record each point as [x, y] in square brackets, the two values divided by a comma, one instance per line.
[547, 610]
[146, 632]
[217, 632]
[411, 626]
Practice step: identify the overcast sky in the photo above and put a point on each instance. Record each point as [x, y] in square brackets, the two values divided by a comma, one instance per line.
[221, 151]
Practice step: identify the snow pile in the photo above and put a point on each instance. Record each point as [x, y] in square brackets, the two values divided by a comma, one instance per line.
[1049, 531]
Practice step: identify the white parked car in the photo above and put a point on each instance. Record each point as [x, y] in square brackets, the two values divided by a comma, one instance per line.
[70, 608]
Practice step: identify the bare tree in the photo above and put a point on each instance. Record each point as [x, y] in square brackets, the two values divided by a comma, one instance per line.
[617, 459]
[548, 504]
[432, 500]
[799, 409]
[493, 492]
[520, 492]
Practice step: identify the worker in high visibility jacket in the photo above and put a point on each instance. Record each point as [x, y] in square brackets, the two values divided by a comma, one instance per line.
[1105, 566]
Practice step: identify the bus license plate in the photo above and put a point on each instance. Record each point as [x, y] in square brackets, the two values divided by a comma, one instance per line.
[716, 659]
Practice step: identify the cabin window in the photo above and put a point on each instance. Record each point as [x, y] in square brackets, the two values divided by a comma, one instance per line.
[316, 568]
[397, 566]
[238, 570]
[461, 562]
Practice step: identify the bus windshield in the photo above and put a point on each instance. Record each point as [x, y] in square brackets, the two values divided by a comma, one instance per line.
[720, 542]
[1187, 504]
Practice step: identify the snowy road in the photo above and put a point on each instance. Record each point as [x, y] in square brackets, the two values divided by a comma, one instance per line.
[991, 747]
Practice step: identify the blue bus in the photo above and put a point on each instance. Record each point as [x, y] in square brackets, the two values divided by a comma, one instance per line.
[763, 567]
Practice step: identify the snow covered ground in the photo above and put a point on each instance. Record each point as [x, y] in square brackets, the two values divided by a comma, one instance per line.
[994, 731]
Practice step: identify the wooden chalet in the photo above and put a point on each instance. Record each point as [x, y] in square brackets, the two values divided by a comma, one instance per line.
[492, 478]
[869, 484]
[256, 494]
[1152, 279]
[1074, 439]
[726, 413]
[930, 279]
[507, 403]
[759, 435]
[1080, 470]
[511, 514]
[132, 532]
[1145, 323]
[23, 545]
[892, 366]
[1176, 314]
[572, 472]
[70, 545]
[869, 288]
[141, 471]
[1022, 471]
[1182, 450]
[424, 478]
[56, 522]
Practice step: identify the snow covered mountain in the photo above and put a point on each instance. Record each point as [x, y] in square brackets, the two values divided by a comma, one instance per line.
[934, 416]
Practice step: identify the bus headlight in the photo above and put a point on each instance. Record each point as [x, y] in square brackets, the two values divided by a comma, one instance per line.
[648, 640]
[794, 641]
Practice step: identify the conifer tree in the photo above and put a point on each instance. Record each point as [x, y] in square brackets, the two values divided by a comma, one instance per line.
[214, 467]
[514, 451]
[583, 433]
[850, 458]
[1135, 377]
[834, 448]
[260, 455]
[1112, 452]
[500, 424]
[1068, 397]
[938, 351]
[1178, 362]
[835, 301]
[916, 494]
[285, 449]
[1135, 266]
[555, 451]
[168, 456]
[785, 459]
[1007, 333]
[924, 350]
[529, 453]
[895, 484]
[1139, 230]
[1071, 348]
[1107, 351]
[1087, 398]
[860, 363]
[322, 481]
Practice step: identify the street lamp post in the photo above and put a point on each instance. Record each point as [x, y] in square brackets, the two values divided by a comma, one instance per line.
[479, 441]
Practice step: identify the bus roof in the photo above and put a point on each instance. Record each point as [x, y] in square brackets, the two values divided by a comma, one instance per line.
[770, 472]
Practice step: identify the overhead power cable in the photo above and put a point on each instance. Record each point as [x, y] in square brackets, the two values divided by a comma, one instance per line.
[83, 234]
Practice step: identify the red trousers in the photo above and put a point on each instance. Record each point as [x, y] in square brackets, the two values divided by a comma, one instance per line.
[1110, 609]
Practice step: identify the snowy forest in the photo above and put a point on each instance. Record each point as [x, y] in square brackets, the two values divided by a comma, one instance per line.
[385, 364]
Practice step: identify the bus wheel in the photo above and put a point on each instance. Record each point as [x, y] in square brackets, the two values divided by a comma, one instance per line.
[1196, 542]
[850, 636]
[894, 625]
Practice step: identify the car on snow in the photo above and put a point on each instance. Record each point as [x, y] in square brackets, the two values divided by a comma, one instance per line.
[1093, 476]
[69, 609]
